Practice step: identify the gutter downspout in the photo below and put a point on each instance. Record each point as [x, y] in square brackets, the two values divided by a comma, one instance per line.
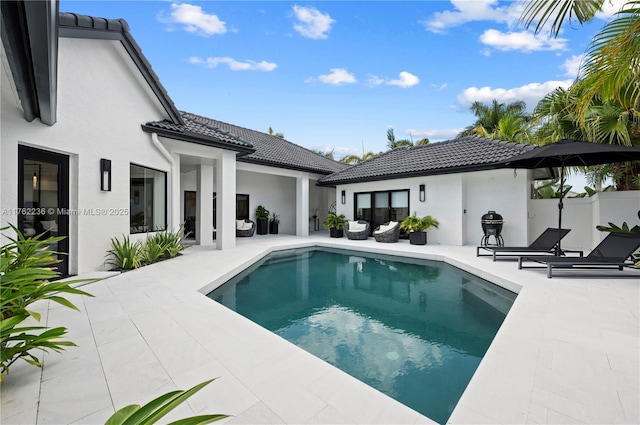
[169, 157]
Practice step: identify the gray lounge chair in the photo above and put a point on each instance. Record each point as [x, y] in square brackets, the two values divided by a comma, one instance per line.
[358, 235]
[246, 232]
[613, 251]
[545, 243]
[389, 235]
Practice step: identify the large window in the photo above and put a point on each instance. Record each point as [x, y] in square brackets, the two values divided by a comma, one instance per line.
[148, 199]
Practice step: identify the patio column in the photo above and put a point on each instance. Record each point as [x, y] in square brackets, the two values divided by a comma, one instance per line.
[302, 205]
[226, 201]
[204, 202]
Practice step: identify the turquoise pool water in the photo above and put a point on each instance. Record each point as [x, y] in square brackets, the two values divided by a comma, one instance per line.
[414, 329]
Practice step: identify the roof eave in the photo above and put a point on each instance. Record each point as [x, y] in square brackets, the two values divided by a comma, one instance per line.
[30, 38]
[424, 173]
[190, 137]
[281, 165]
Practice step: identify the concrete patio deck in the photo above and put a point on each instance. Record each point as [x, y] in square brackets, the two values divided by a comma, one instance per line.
[568, 351]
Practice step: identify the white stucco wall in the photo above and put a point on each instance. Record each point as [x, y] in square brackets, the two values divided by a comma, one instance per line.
[458, 202]
[582, 215]
[101, 105]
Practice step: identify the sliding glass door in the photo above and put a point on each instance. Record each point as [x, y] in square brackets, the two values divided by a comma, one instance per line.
[380, 207]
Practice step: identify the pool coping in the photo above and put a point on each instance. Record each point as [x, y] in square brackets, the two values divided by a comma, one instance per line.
[567, 351]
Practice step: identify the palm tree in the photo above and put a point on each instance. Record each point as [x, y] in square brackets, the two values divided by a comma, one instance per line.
[355, 159]
[280, 135]
[488, 117]
[611, 69]
[392, 143]
[422, 142]
[323, 153]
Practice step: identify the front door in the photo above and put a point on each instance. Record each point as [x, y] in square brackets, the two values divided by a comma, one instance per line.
[43, 199]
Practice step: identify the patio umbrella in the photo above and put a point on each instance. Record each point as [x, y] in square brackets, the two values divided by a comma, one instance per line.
[571, 153]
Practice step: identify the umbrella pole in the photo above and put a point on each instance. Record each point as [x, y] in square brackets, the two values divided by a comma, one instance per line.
[560, 206]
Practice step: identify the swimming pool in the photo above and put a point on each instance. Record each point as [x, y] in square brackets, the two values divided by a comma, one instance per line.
[414, 329]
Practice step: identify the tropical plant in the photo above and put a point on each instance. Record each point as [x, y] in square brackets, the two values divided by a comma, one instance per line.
[153, 250]
[328, 154]
[156, 409]
[27, 268]
[125, 255]
[624, 228]
[272, 133]
[274, 218]
[171, 242]
[413, 223]
[335, 221]
[262, 213]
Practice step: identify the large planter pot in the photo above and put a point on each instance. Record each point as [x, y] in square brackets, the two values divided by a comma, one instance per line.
[262, 227]
[418, 238]
[335, 233]
[273, 227]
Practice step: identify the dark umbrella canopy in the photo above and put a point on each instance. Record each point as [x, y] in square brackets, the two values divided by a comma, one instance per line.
[570, 153]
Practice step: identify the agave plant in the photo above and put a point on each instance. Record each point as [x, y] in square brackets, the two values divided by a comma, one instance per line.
[27, 270]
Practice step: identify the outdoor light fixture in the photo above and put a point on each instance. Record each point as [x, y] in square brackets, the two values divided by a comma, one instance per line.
[105, 175]
[422, 193]
[344, 197]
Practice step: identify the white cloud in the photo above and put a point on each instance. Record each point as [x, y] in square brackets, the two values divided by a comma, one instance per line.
[311, 22]
[405, 80]
[337, 77]
[195, 20]
[529, 93]
[469, 11]
[233, 64]
[571, 66]
[523, 41]
[611, 7]
[433, 135]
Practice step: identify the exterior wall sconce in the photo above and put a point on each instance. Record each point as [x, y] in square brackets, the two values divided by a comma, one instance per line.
[344, 197]
[105, 175]
[422, 193]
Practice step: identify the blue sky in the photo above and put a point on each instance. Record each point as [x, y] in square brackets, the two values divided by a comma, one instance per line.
[335, 75]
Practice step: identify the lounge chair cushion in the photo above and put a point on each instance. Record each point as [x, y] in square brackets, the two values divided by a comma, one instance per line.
[239, 224]
[245, 226]
[354, 226]
[384, 228]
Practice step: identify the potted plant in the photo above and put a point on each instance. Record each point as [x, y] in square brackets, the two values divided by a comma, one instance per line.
[335, 223]
[262, 220]
[274, 220]
[417, 228]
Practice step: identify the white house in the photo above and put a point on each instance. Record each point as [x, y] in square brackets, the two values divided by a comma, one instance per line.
[92, 147]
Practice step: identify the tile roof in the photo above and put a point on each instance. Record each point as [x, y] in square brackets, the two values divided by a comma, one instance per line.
[260, 148]
[466, 154]
[275, 151]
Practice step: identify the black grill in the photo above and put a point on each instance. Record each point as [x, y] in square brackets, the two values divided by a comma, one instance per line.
[492, 226]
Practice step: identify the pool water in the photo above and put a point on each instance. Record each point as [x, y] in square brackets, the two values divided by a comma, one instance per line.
[413, 329]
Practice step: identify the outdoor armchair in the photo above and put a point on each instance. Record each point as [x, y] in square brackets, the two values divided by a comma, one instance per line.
[245, 228]
[357, 230]
[388, 232]
[545, 243]
[613, 251]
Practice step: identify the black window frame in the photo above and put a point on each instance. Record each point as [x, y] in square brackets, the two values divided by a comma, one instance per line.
[144, 228]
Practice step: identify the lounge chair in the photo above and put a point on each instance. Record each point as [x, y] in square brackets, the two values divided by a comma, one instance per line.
[245, 228]
[613, 251]
[388, 232]
[545, 243]
[357, 230]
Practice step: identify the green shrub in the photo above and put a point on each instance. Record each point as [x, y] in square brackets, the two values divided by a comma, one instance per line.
[153, 251]
[26, 268]
[125, 255]
[153, 411]
[171, 242]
